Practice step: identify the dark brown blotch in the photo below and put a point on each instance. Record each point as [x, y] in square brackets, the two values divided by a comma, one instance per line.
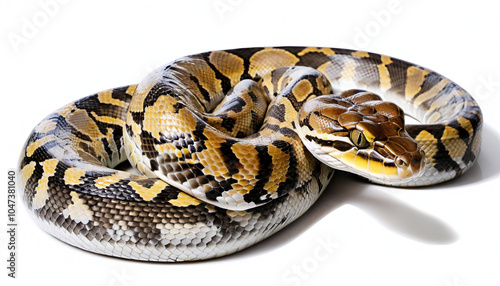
[324, 124]
[388, 109]
[351, 92]
[350, 119]
[342, 146]
[333, 111]
[364, 97]
[395, 148]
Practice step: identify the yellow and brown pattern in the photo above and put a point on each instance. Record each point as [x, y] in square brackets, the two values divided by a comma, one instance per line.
[219, 176]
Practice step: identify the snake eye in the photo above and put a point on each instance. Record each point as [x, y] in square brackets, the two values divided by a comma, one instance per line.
[358, 139]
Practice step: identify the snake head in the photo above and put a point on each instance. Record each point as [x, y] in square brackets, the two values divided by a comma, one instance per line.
[358, 132]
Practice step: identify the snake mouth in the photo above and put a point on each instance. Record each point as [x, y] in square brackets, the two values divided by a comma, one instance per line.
[394, 169]
[392, 162]
[388, 169]
[401, 157]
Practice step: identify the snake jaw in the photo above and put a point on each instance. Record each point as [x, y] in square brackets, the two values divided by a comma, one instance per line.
[358, 132]
[371, 163]
[403, 154]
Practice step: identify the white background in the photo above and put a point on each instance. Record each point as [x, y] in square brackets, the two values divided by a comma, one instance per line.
[357, 233]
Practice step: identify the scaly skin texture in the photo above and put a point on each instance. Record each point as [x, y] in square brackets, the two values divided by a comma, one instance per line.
[248, 186]
[363, 135]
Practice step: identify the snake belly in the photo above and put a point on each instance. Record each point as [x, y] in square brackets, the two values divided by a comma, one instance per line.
[70, 187]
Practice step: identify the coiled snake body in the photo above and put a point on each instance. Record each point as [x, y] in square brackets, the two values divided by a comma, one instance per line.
[222, 170]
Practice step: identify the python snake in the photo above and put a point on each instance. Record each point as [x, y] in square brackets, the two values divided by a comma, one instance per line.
[222, 170]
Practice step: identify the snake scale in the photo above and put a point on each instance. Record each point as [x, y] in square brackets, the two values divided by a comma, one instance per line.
[228, 142]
